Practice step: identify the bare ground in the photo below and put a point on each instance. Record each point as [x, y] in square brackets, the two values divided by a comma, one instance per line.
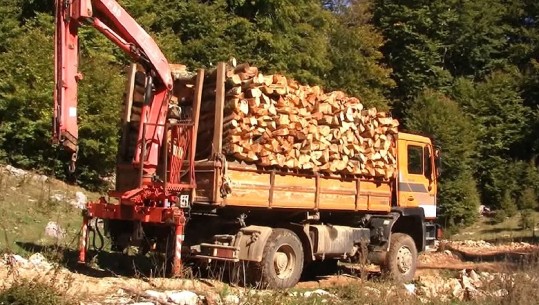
[91, 284]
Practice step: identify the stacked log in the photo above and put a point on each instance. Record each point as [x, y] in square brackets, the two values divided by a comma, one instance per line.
[273, 121]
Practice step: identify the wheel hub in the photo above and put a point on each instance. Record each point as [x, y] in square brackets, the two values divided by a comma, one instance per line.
[284, 261]
[280, 260]
[404, 259]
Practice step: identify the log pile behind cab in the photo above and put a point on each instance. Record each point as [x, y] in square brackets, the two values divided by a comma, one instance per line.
[273, 121]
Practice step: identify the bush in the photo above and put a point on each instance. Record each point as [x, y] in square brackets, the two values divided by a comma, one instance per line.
[508, 205]
[432, 113]
[527, 220]
[528, 199]
[500, 216]
[32, 293]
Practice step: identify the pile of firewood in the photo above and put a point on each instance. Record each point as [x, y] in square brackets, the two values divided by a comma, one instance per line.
[274, 121]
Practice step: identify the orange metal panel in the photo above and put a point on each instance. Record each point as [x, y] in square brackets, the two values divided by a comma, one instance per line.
[337, 195]
[251, 188]
[248, 189]
[294, 192]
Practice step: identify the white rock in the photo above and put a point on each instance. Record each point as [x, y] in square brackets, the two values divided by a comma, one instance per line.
[458, 292]
[319, 292]
[159, 296]
[500, 293]
[17, 260]
[40, 178]
[143, 303]
[39, 261]
[79, 201]
[58, 197]
[231, 299]
[184, 297]
[17, 172]
[474, 276]
[54, 230]
[410, 288]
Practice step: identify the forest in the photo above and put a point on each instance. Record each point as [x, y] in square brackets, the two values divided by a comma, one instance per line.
[464, 72]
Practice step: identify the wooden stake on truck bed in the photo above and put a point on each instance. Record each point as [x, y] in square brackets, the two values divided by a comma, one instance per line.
[219, 109]
[196, 118]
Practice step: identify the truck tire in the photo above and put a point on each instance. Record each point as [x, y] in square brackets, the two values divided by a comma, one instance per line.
[401, 259]
[282, 262]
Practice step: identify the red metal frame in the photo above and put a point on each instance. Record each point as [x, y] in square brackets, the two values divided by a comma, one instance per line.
[153, 201]
[125, 32]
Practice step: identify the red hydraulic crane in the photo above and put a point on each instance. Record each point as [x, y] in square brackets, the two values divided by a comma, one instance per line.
[149, 189]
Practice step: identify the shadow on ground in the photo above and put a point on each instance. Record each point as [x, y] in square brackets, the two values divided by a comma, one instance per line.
[112, 264]
[101, 263]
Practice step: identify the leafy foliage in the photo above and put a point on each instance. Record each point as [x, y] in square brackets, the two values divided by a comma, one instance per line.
[434, 114]
[500, 117]
[508, 205]
[415, 46]
[463, 71]
[33, 293]
[527, 220]
[356, 56]
[26, 100]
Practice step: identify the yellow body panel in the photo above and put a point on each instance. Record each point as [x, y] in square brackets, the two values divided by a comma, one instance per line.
[251, 187]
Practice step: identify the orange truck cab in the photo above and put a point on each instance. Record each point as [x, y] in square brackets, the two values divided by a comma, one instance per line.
[417, 175]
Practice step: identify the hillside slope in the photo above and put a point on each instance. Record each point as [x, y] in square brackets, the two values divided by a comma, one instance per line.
[38, 211]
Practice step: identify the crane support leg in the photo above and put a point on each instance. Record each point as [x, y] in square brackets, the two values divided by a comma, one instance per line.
[178, 241]
[83, 244]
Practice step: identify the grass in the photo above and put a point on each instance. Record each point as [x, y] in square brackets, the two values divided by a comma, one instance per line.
[508, 230]
[26, 206]
[34, 293]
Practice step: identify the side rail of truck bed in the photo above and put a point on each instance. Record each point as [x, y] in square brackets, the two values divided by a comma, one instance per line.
[235, 184]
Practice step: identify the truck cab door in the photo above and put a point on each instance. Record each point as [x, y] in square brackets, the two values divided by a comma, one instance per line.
[416, 180]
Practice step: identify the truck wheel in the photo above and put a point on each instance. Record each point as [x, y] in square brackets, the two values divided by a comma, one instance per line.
[282, 262]
[401, 259]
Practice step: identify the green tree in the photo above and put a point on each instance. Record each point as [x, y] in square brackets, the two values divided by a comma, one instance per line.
[528, 200]
[415, 47]
[500, 119]
[527, 219]
[508, 205]
[26, 105]
[435, 114]
[10, 12]
[475, 40]
[354, 50]
[26, 96]
[278, 36]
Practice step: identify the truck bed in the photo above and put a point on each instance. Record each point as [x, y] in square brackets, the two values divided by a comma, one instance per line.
[249, 186]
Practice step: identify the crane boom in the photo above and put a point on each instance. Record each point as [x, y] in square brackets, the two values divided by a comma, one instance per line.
[155, 179]
[115, 23]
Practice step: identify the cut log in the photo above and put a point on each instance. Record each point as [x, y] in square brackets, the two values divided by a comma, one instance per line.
[273, 120]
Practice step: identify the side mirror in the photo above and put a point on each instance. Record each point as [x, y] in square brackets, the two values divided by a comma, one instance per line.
[428, 163]
[438, 162]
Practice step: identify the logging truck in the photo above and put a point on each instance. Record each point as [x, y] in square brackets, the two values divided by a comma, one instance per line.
[270, 191]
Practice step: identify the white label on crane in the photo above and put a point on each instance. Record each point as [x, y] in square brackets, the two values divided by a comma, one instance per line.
[73, 112]
[184, 201]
